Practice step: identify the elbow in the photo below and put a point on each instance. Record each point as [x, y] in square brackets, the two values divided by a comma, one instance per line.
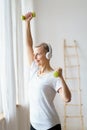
[68, 99]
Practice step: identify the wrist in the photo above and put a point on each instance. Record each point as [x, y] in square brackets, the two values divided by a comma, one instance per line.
[61, 77]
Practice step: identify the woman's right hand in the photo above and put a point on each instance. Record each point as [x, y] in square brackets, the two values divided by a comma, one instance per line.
[28, 16]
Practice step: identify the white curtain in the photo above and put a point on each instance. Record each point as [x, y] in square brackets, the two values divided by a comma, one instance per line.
[11, 66]
[7, 67]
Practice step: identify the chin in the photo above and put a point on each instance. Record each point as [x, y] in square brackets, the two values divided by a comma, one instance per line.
[37, 63]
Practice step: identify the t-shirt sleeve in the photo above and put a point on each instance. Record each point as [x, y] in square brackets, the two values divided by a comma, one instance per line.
[58, 84]
[33, 69]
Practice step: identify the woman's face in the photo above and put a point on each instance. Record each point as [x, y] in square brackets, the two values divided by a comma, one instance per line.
[40, 56]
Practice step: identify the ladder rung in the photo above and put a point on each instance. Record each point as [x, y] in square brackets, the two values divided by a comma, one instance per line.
[73, 104]
[74, 90]
[71, 56]
[72, 78]
[71, 66]
[74, 116]
[70, 46]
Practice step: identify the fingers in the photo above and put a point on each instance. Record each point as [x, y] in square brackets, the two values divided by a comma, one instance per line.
[59, 70]
[28, 16]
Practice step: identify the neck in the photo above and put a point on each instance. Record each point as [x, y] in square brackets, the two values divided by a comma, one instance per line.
[45, 68]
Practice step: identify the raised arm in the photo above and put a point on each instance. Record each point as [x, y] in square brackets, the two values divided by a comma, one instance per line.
[29, 41]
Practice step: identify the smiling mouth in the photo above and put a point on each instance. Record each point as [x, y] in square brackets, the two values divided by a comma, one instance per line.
[37, 61]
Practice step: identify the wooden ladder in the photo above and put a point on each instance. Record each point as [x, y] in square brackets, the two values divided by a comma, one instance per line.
[73, 117]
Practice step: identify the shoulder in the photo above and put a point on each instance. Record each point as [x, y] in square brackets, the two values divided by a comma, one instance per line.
[52, 78]
[33, 68]
[55, 81]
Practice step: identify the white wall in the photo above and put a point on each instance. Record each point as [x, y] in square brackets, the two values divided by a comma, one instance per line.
[55, 21]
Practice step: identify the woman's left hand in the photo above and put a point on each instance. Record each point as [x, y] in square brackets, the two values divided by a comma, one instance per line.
[59, 70]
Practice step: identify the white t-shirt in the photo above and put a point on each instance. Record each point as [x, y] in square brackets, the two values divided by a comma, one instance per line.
[42, 91]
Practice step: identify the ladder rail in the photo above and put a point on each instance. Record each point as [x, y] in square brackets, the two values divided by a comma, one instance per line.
[79, 85]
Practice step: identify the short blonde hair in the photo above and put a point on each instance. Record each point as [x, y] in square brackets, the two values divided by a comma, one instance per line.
[44, 45]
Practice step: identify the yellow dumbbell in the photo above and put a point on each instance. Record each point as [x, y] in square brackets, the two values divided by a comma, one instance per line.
[55, 74]
[23, 17]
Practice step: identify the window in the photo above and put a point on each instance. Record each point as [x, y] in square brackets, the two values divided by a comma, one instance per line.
[12, 53]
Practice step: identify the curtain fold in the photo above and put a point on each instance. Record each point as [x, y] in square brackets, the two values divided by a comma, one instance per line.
[8, 74]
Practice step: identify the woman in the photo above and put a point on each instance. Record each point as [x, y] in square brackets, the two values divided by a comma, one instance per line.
[43, 86]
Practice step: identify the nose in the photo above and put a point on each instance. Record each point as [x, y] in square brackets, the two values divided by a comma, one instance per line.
[35, 56]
